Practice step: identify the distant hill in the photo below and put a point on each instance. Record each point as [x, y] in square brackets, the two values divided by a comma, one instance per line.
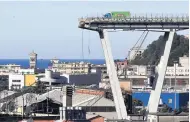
[151, 56]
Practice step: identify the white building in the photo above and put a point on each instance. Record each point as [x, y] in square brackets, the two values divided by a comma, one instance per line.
[184, 61]
[55, 79]
[182, 68]
[137, 70]
[70, 67]
[26, 71]
[16, 81]
[51, 78]
[9, 68]
[180, 71]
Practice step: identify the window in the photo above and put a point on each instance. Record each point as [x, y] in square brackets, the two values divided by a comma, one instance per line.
[15, 87]
[16, 80]
[169, 100]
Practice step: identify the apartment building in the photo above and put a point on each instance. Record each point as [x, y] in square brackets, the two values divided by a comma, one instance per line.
[70, 68]
[182, 67]
[9, 68]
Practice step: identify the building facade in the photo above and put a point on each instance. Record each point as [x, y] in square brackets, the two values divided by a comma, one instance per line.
[16, 81]
[182, 68]
[70, 68]
[167, 98]
[9, 68]
[29, 80]
[101, 68]
[137, 70]
[26, 71]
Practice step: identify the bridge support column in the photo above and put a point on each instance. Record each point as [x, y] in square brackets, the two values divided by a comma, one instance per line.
[115, 86]
[157, 87]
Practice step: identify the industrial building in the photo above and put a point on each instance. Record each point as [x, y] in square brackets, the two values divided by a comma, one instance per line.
[91, 101]
[83, 79]
[50, 78]
[175, 100]
[54, 78]
[101, 68]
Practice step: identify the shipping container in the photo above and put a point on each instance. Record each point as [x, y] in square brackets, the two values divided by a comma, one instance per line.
[120, 14]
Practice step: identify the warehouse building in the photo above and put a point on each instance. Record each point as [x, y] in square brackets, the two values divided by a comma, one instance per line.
[175, 100]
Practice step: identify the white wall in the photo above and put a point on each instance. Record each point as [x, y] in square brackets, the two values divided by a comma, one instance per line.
[137, 70]
[180, 71]
[184, 61]
[142, 70]
[16, 77]
[26, 71]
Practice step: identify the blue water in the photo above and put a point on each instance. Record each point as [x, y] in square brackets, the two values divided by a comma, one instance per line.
[43, 63]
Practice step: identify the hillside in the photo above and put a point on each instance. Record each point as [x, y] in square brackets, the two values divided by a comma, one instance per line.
[151, 56]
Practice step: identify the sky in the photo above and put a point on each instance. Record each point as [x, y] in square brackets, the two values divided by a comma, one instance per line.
[51, 28]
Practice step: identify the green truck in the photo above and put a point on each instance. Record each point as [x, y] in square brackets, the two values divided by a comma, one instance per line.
[119, 14]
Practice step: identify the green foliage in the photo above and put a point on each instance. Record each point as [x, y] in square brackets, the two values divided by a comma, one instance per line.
[151, 56]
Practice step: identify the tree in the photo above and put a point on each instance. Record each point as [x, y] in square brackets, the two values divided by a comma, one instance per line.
[151, 56]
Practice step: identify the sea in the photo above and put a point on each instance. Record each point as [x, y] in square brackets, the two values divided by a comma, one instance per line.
[43, 63]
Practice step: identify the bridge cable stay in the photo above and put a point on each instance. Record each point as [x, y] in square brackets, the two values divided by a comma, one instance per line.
[89, 51]
[141, 43]
[142, 37]
[128, 58]
[138, 40]
[82, 46]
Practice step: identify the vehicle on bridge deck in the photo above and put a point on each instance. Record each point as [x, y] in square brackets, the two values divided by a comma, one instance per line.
[121, 14]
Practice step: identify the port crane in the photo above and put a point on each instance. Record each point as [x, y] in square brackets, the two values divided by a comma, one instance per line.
[168, 25]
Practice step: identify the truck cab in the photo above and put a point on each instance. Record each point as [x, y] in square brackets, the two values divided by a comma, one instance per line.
[108, 15]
